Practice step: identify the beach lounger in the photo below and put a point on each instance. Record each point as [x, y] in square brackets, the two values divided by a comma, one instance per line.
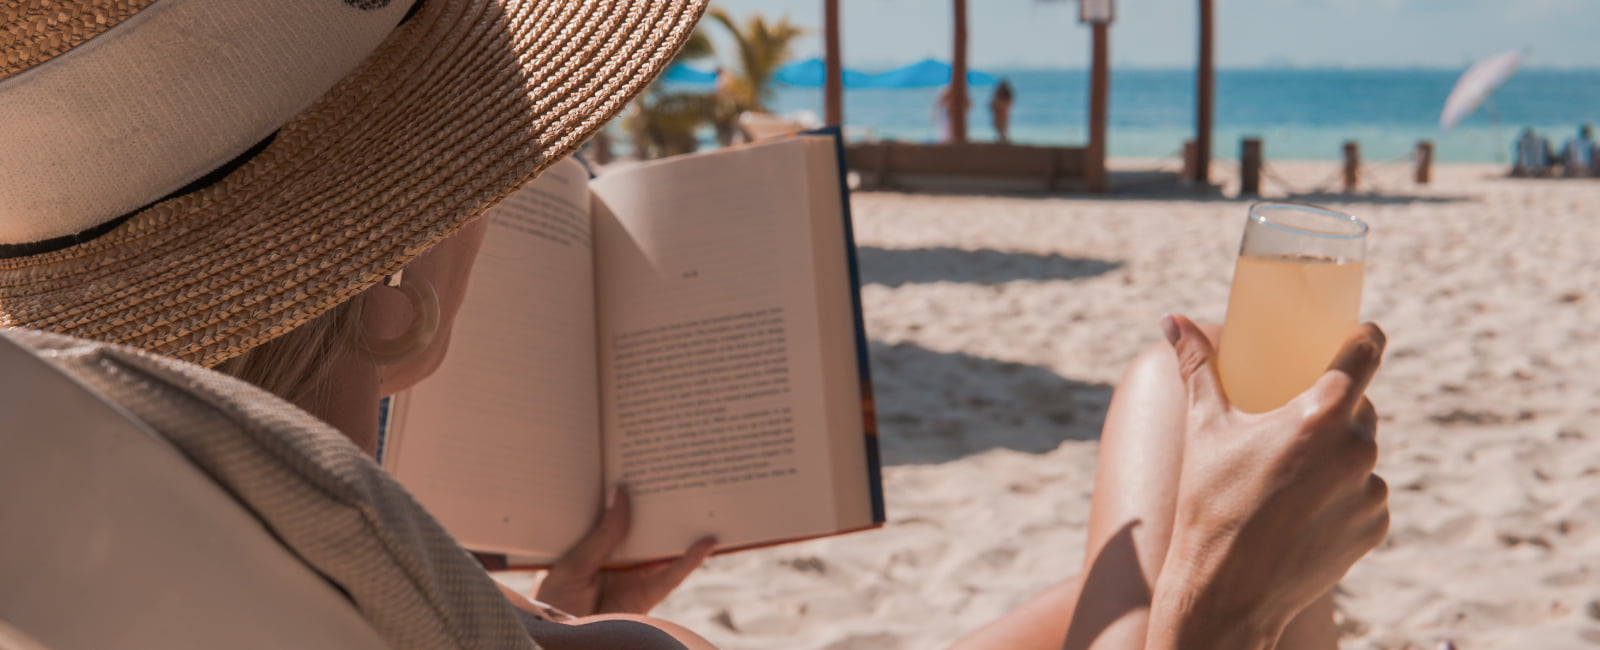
[761, 126]
[148, 503]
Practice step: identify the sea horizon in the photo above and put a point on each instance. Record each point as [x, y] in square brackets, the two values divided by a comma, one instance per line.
[1115, 68]
[1300, 113]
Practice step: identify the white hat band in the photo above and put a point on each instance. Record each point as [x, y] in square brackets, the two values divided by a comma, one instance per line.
[161, 99]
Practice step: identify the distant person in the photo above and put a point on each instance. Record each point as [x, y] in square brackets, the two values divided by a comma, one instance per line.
[1530, 155]
[1577, 155]
[944, 106]
[1000, 110]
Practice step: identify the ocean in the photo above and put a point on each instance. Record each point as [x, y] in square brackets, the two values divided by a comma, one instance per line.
[1298, 113]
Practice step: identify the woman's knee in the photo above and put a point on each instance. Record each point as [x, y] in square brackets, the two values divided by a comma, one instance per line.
[1154, 370]
[1157, 364]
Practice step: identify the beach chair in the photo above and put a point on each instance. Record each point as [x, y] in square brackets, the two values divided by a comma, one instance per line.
[149, 503]
[761, 126]
[1531, 156]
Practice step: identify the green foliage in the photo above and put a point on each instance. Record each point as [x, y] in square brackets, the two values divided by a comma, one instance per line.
[763, 48]
[698, 47]
[663, 123]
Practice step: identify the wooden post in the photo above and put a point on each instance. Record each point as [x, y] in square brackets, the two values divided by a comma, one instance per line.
[958, 77]
[1204, 94]
[883, 164]
[1250, 167]
[833, 78]
[1352, 165]
[1099, 99]
[1056, 163]
[1424, 162]
[1188, 174]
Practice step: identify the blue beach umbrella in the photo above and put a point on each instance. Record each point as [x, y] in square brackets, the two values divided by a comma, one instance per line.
[811, 73]
[927, 73]
[681, 73]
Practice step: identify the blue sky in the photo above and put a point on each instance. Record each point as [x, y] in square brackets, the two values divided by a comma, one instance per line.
[1250, 33]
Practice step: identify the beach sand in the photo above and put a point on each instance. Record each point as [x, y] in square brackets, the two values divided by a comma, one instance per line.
[999, 326]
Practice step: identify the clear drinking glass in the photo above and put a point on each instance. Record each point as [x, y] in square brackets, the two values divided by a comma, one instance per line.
[1296, 296]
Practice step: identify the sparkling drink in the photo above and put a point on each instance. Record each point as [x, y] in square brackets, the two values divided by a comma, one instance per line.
[1296, 295]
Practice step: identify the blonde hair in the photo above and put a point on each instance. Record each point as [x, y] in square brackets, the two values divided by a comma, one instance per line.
[295, 366]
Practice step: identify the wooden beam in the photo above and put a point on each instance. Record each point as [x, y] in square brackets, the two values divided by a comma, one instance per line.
[1099, 100]
[833, 81]
[958, 101]
[1204, 94]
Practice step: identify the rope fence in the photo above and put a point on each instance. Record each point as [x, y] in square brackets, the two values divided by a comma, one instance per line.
[1373, 177]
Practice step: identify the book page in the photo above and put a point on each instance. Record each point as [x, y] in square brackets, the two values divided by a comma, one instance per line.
[502, 443]
[712, 383]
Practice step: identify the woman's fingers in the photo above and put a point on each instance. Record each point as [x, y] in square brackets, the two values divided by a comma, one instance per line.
[590, 553]
[685, 564]
[1194, 351]
[637, 590]
[1343, 385]
[1366, 420]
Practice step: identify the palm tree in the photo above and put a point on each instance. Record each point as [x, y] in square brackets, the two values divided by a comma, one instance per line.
[697, 48]
[663, 123]
[763, 48]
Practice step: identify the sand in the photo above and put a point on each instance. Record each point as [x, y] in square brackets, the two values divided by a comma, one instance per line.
[999, 325]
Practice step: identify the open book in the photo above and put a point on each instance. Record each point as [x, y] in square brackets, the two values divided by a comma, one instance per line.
[689, 328]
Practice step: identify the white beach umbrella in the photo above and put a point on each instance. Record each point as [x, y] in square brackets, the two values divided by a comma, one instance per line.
[1476, 83]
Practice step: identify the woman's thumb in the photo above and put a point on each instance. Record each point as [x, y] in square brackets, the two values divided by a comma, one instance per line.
[1195, 364]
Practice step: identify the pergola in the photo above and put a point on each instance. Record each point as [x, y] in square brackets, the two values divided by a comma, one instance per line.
[1098, 14]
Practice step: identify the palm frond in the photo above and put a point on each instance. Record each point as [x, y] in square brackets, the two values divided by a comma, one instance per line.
[697, 47]
[763, 48]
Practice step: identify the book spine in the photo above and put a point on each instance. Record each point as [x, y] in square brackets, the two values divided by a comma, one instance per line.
[868, 409]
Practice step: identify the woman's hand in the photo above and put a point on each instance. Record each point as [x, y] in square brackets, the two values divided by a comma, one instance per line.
[1273, 508]
[579, 584]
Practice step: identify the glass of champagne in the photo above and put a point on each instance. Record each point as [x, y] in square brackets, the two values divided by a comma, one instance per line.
[1296, 296]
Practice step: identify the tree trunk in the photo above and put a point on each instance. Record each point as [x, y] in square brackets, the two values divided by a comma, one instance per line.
[1203, 92]
[956, 100]
[833, 81]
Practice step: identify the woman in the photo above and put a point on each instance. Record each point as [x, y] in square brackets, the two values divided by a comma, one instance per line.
[1000, 110]
[241, 187]
[199, 178]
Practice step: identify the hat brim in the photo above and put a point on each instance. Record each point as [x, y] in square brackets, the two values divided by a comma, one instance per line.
[462, 105]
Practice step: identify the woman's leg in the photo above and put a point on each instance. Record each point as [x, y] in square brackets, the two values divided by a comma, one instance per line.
[1135, 494]
[1130, 524]
[1313, 628]
[1130, 520]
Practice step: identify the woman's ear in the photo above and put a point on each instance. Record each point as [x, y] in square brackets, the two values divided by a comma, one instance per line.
[388, 313]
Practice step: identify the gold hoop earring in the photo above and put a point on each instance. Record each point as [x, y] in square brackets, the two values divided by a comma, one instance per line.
[424, 322]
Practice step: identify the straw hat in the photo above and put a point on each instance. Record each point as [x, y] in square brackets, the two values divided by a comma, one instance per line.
[197, 177]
